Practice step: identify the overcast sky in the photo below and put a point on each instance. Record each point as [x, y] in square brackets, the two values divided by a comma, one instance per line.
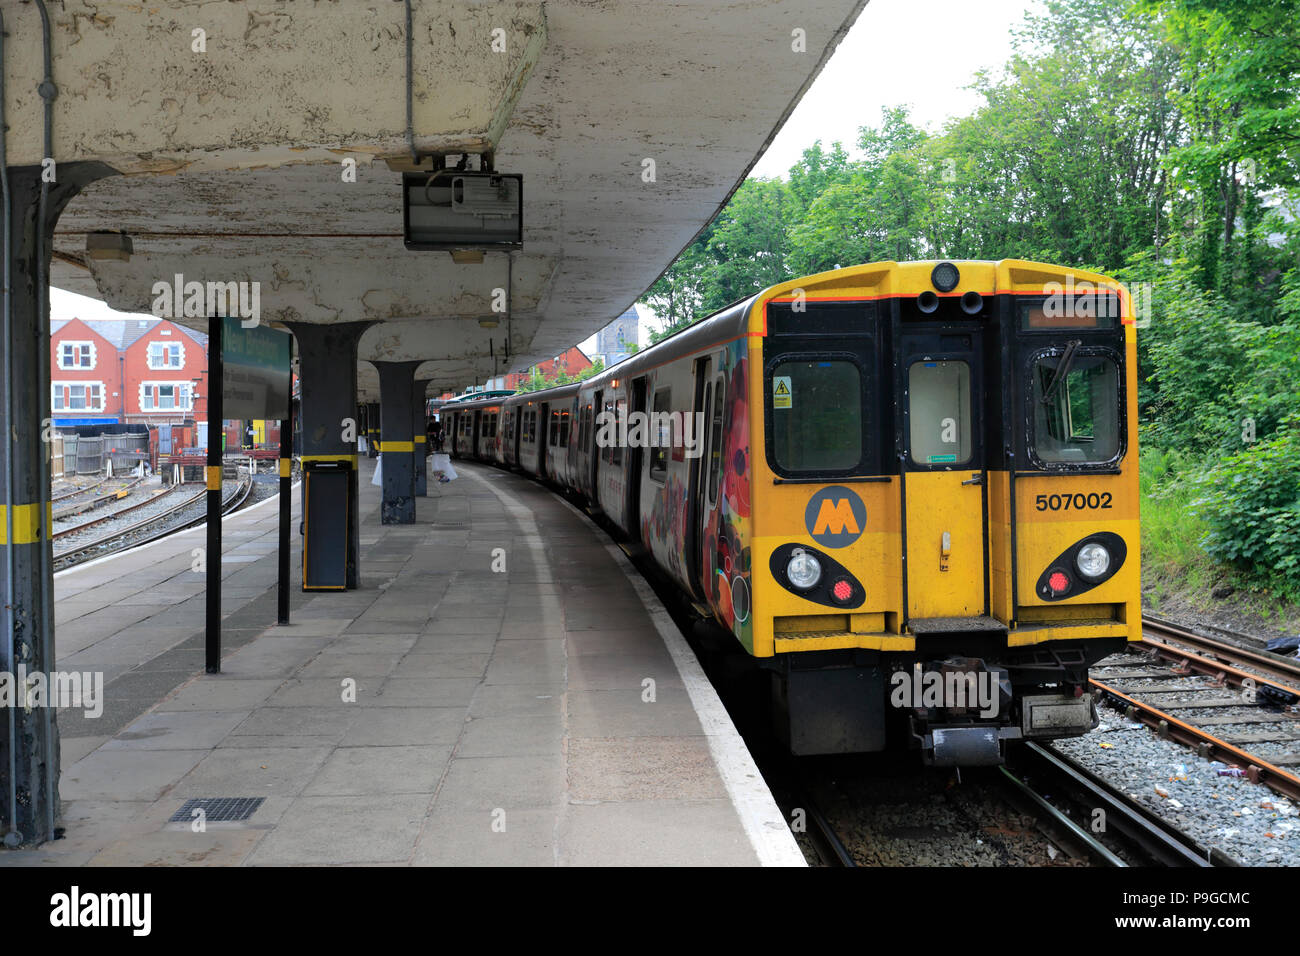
[920, 52]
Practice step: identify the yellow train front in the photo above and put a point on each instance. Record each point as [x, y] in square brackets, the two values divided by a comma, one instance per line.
[943, 529]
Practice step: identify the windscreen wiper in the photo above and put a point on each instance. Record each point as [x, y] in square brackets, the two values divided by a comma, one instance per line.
[1062, 370]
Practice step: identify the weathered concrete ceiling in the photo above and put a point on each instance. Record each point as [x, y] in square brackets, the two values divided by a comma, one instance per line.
[253, 133]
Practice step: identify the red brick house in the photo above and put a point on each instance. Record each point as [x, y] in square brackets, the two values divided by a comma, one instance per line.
[122, 371]
[163, 369]
[571, 363]
[85, 372]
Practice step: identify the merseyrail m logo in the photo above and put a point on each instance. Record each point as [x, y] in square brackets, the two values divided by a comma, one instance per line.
[835, 517]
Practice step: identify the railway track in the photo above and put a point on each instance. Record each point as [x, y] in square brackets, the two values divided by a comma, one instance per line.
[105, 499]
[830, 846]
[1171, 688]
[1077, 806]
[1285, 670]
[139, 533]
[79, 491]
[96, 500]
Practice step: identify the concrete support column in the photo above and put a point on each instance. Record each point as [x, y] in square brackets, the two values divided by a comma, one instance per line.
[421, 457]
[327, 369]
[396, 381]
[29, 738]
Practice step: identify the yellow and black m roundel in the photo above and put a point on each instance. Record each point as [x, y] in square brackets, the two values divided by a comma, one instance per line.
[835, 517]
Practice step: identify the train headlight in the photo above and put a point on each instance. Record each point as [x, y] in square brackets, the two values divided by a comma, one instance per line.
[945, 277]
[1093, 560]
[803, 570]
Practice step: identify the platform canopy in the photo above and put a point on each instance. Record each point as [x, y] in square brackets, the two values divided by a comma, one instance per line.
[235, 127]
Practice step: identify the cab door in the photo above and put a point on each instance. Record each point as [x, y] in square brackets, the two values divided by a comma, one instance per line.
[941, 383]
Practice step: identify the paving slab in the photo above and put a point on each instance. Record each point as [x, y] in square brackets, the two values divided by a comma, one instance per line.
[441, 714]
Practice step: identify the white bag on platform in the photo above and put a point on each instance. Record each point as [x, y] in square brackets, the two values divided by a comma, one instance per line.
[378, 477]
[442, 467]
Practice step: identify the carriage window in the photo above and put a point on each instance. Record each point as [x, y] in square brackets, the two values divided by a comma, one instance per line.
[616, 456]
[940, 413]
[1076, 419]
[661, 434]
[564, 428]
[816, 416]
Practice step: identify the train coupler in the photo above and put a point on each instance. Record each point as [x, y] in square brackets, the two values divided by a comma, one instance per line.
[978, 745]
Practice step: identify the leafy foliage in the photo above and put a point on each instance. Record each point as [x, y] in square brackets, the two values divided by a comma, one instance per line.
[1251, 502]
[1155, 140]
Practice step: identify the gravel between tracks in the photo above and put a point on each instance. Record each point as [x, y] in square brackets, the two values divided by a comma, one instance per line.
[1247, 821]
[911, 816]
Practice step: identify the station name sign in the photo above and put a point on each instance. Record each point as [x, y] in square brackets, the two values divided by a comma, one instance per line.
[256, 374]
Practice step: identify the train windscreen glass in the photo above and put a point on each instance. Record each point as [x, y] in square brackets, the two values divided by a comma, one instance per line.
[1076, 417]
[816, 416]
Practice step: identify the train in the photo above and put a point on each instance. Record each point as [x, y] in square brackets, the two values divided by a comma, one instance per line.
[908, 491]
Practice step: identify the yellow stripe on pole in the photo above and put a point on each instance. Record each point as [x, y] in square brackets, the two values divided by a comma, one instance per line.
[421, 439]
[27, 523]
[286, 467]
[214, 477]
[397, 446]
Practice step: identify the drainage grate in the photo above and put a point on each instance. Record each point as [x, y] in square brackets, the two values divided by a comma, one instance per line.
[218, 809]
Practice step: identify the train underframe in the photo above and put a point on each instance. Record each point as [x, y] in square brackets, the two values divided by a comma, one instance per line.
[959, 702]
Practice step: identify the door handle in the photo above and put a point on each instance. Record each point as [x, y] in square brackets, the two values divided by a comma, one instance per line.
[975, 479]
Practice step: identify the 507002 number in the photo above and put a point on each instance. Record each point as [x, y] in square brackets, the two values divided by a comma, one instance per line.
[1076, 502]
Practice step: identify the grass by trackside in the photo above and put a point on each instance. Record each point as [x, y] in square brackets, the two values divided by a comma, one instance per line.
[1175, 568]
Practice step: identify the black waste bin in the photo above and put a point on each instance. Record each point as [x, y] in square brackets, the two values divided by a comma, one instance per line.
[325, 527]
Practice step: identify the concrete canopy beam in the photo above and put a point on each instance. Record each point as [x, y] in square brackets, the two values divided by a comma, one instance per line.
[266, 83]
[699, 88]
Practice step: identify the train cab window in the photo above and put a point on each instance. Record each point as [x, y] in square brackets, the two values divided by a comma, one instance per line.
[816, 416]
[939, 410]
[1076, 409]
[661, 436]
[715, 440]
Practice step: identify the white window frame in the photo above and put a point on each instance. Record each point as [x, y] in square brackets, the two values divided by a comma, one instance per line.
[56, 396]
[167, 348]
[146, 388]
[77, 345]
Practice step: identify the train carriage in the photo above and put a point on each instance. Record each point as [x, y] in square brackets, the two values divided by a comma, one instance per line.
[908, 490]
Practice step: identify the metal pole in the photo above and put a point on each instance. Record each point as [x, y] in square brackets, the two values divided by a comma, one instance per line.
[48, 91]
[11, 656]
[215, 413]
[286, 505]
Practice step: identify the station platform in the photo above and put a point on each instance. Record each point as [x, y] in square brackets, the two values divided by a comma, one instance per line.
[547, 714]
